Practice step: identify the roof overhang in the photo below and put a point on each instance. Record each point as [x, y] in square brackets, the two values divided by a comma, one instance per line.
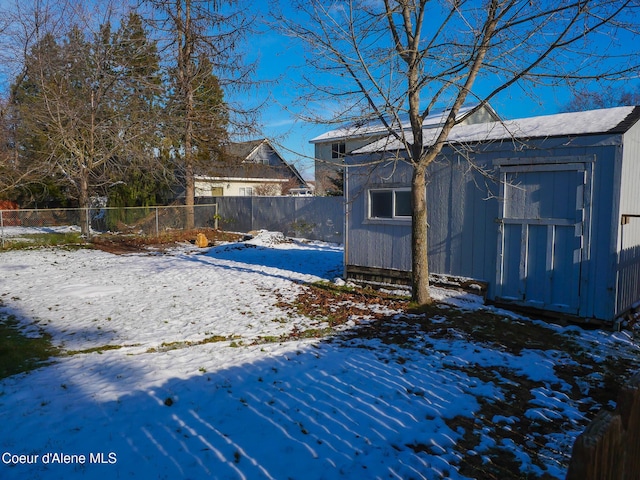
[375, 127]
[204, 178]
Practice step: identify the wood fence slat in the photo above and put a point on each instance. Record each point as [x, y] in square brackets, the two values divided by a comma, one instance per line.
[609, 448]
[629, 405]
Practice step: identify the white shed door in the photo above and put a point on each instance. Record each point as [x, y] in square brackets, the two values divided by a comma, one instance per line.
[540, 237]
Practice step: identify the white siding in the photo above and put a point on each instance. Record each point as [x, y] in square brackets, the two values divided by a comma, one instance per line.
[238, 187]
[628, 222]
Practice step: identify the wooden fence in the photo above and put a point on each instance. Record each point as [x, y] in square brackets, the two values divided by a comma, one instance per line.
[609, 448]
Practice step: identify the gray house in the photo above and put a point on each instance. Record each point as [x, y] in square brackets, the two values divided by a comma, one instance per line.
[333, 146]
[543, 212]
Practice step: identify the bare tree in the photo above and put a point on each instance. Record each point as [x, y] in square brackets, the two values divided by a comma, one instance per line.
[202, 39]
[22, 25]
[605, 96]
[392, 59]
[85, 103]
[267, 190]
[84, 97]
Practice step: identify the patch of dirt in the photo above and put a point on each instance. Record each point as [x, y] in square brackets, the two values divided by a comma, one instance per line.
[122, 244]
[591, 377]
[336, 305]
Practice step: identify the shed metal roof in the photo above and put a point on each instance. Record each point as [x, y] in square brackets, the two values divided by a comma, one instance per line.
[609, 120]
[375, 127]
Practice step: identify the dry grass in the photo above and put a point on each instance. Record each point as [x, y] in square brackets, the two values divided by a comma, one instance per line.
[121, 244]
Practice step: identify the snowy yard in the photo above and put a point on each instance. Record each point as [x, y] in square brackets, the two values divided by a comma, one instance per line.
[177, 368]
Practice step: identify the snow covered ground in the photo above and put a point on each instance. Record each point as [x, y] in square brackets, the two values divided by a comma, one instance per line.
[190, 382]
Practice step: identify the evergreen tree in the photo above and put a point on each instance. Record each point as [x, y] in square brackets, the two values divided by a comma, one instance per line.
[337, 184]
[209, 117]
[34, 149]
[139, 97]
[203, 36]
[87, 108]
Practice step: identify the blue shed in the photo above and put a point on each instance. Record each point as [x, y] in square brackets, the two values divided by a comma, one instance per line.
[543, 211]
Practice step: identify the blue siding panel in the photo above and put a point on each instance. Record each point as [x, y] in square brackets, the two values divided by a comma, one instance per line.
[464, 208]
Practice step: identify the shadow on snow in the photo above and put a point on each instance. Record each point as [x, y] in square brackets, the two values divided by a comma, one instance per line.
[326, 411]
[303, 261]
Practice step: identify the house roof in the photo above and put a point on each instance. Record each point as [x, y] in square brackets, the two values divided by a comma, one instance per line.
[610, 120]
[375, 127]
[243, 150]
[236, 162]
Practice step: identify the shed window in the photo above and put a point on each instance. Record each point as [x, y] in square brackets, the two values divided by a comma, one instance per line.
[390, 203]
[338, 150]
[246, 191]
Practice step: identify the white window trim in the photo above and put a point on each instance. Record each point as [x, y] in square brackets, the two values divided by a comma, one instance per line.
[394, 218]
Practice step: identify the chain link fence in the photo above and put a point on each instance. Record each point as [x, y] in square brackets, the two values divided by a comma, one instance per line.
[313, 218]
[149, 221]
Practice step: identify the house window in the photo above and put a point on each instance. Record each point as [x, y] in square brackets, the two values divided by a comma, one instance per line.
[390, 203]
[338, 150]
[246, 191]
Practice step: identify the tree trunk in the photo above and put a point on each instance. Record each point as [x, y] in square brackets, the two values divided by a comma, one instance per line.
[189, 167]
[185, 72]
[83, 201]
[189, 192]
[419, 244]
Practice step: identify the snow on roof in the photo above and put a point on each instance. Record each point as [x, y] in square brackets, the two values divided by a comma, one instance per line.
[610, 120]
[375, 126]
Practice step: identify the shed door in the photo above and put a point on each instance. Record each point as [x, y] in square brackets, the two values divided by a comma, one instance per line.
[540, 238]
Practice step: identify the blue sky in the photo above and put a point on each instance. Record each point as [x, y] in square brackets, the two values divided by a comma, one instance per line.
[281, 66]
[281, 59]
[281, 62]
[291, 136]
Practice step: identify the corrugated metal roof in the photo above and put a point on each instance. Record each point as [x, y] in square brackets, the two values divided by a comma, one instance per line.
[610, 120]
[375, 127]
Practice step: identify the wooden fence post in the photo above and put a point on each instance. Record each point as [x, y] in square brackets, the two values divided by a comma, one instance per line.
[608, 448]
[629, 408]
